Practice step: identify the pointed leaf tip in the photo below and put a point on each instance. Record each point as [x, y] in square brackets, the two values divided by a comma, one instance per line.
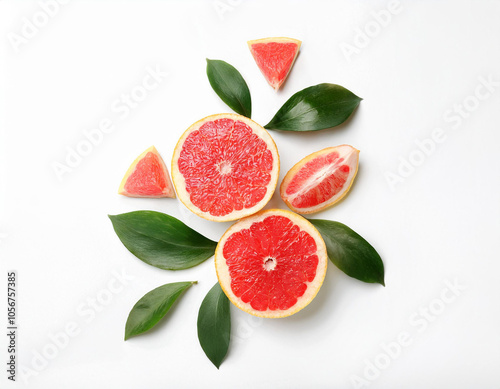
[214, 325]
[350, 252]
[315, 108]
[152, 307]
[230, 86]
[161, 240]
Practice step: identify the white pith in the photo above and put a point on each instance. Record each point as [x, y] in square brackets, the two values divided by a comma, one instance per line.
[180, 182]
[224, 167]
[269, 264]
[312, 287]
[350, 157]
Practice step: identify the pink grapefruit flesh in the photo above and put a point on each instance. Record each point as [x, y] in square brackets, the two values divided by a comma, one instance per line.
[275, 58]
[320, 180]
[271, 264]
[225, 167]
[147, 177]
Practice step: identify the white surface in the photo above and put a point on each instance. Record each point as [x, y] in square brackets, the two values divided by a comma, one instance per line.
[441, 223]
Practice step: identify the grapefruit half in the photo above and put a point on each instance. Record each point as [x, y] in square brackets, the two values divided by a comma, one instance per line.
[147, 177]
[275, 58]
[321, 179]
[225, 167]
[271, 264]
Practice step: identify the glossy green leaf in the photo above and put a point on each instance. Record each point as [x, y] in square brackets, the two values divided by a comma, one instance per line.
[315, 108]
[214, 325]
[350, 252]
[152, 307]
[161, 240]
[228, 83]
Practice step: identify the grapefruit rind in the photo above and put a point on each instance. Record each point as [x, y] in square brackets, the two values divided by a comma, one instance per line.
[347, 150]
[312, 287]
[180, 182]
[278, 84]
[169, 192]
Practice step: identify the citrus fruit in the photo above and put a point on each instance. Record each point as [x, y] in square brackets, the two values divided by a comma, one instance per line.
[225, 167]
[147, 177]
[320, 179]
[275, 57]
[271, 264]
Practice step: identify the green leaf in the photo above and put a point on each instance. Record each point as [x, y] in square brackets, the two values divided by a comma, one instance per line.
[161, 240]
[228, 83]
[315, 108]
[214, 325]
[350, 252]
[149, 310]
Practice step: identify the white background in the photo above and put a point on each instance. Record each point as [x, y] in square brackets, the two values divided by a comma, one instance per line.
[440, 224]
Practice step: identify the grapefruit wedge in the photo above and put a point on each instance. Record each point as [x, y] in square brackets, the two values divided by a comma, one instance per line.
[225, 167]
[147, 177]
[271, 264]
[275, 58]
[321, 179]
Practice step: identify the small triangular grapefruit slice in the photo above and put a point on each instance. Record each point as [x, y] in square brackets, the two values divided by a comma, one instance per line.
[271, 264]
[275, 57]
[321, 179]
[147, 177]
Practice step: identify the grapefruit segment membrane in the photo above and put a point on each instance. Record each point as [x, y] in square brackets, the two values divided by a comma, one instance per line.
[275, 57]
[320, 180]
[271, 264]
[147, 177]
[225, 167]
